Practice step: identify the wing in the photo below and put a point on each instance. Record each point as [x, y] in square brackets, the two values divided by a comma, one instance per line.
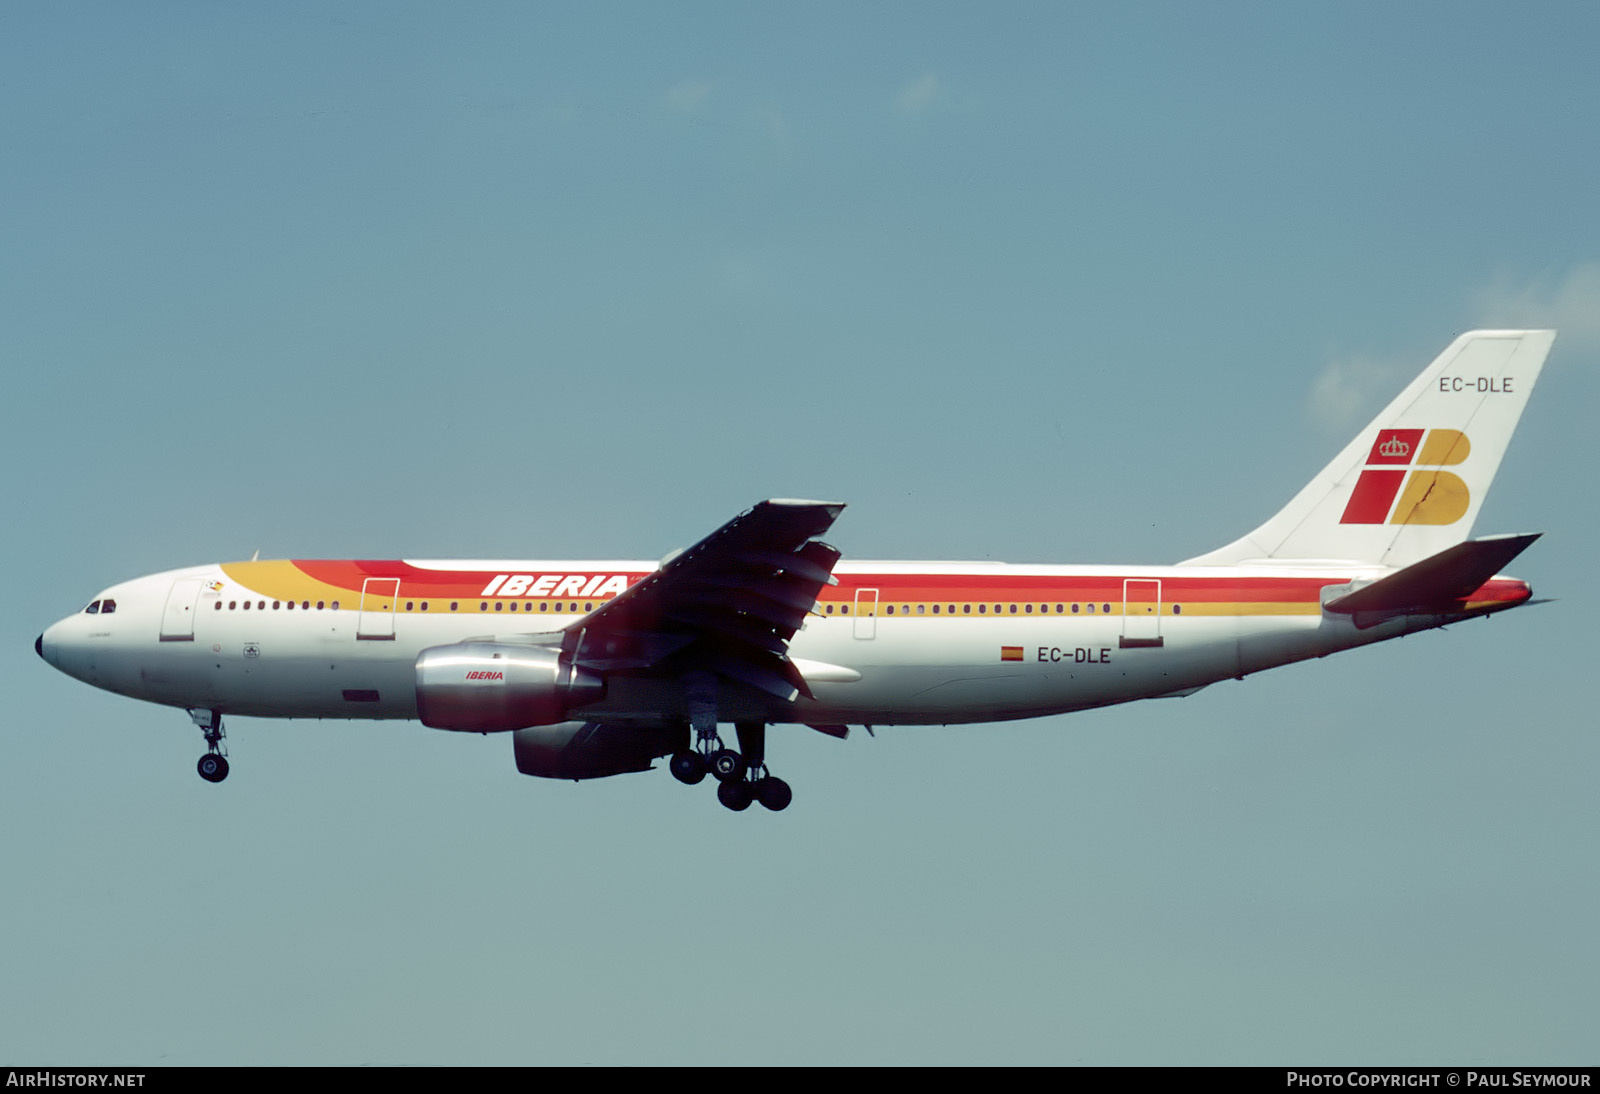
[728, 605]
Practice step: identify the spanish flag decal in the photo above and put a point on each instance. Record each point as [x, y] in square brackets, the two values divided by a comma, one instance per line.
[1011, 653]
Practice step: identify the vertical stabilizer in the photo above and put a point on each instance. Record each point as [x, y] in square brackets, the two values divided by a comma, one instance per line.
[1410, 484]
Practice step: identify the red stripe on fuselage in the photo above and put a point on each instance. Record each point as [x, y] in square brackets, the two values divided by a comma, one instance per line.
[958, 587]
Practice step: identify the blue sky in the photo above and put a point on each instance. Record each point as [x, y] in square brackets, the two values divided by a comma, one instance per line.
[1049, 282]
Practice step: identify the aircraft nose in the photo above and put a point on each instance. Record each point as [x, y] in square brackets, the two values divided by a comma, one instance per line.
[50, 651]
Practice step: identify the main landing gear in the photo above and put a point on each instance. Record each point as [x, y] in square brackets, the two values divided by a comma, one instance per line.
[742, 776]
[213, 766]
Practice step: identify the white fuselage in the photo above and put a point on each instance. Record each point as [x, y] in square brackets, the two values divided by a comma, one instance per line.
[892, 643]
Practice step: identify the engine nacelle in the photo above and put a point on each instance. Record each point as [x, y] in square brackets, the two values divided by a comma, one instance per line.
[486, 687]
[590, 750]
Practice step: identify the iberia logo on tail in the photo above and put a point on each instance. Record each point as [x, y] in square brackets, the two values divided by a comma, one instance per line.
[1431, 495]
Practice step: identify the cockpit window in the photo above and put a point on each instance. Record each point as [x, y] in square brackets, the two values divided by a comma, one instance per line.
[93, 609]
[107, 607]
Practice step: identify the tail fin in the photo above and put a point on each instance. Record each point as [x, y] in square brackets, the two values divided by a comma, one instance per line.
[1410, 484]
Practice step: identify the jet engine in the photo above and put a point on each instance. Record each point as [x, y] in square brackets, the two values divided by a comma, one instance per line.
[590, 750]
[486, 687]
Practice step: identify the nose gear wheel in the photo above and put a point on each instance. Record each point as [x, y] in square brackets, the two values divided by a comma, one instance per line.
[213, 766]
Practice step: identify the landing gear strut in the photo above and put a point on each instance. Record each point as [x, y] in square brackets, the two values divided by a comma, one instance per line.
[690, 765]
[213, 766]
[757, 782]
[741, 774]
[707, 756]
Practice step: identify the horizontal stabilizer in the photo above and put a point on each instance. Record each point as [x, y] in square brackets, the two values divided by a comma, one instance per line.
[1438, 581]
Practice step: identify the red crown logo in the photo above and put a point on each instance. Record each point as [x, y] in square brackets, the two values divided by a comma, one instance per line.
[1430, 494]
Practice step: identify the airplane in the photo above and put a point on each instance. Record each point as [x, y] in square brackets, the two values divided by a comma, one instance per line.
[598, 668]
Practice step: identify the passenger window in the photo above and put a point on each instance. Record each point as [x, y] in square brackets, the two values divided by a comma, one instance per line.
[335, 605]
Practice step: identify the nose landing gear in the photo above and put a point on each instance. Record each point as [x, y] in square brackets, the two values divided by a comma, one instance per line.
[213, 766]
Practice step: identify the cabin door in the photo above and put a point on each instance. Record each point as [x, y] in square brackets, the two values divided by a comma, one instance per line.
[378, 595]
[1141, 613]
[866, 613]
[177, 619]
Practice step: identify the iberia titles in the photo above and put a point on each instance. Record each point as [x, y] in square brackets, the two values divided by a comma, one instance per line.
[556, 585]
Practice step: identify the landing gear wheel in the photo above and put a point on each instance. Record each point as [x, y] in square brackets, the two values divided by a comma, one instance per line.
[213, 766]
[687, 767]
[773, 793]
[729, 767]
[735, 795]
